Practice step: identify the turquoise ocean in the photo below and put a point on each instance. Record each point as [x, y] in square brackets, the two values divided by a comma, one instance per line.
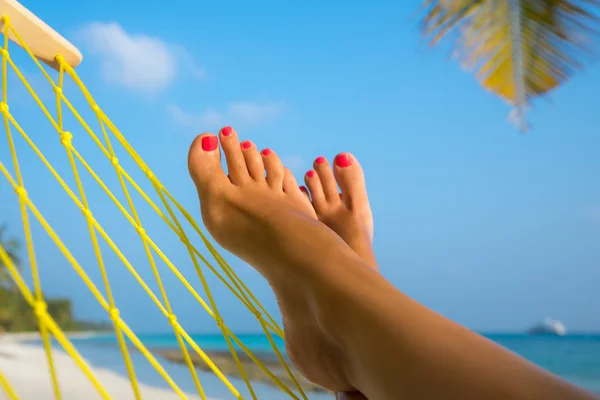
[574, 357]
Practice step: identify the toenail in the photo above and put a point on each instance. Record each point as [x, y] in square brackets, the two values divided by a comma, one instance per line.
[310, 174]
[227, 131]
[320, 160]
[209, 143]
[304, 189]
[266, 152]
[343, 160]
[246, 144]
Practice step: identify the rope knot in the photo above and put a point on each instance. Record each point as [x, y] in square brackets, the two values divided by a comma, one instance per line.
[149, 174]
[57, 90]
[3, 108]
[114, 161]
[87, 213]
[95, 108]
[220, 322]
[140, 231]
[40, 308]
[172, 320]
[65, 138]
[184, 239]
[21, 192]
[4, 53]
[114, 313]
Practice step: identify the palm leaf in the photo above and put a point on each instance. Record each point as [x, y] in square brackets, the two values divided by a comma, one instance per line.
[520, 49]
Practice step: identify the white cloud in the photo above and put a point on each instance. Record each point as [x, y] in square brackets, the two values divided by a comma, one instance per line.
[253, 112]
[294, 162]
[191, 120]
[236, 113]
[136, 61]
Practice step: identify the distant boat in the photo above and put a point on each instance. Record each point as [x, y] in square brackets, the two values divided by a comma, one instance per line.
[548, 326]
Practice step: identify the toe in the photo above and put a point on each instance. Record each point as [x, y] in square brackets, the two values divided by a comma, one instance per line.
[204, 160]
[291, 188]
[328, 184]
[351, 180]
[311, 179]
[273, 168]
[290, 185]
[304, 191]
[236, 164]
[254, 162]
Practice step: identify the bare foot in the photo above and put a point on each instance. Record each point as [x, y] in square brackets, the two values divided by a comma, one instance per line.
[266, 221]
[348, 213]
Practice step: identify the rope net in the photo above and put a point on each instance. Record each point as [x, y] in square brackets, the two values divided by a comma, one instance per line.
[110, 142]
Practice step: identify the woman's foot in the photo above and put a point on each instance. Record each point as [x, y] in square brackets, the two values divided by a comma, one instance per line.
[347, 213]
[269, 223]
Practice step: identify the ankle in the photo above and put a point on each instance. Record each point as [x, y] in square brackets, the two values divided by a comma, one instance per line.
[341, 305]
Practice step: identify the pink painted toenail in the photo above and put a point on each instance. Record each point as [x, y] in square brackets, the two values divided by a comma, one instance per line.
[320, 160]
[227, 131]
[246, 144]
[304, 189]
[343, 160]
[209, 143]
[310, 174]
[266, 152]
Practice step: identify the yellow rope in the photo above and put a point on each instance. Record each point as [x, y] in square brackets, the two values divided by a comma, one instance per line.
[42, 314]
[36, 300]
[4, 384]
[159, 187]
[182, 346]
[25, 218]
[66, 142]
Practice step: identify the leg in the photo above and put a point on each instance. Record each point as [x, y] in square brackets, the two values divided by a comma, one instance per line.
[398, 348]
[347, 213]
[364, 333]
[269, 223]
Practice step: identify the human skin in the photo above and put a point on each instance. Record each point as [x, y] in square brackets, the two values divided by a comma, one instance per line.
[346, 327]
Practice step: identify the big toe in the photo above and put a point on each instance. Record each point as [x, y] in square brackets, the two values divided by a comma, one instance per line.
[351, 180]
[204, 161]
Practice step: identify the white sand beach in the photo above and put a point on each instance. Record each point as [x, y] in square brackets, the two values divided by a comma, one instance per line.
[25, 367]
[23, 363]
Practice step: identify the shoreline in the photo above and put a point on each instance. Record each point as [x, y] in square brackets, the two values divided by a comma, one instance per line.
[15, 346]
[35, 335]
[226, 363]
[25, 368]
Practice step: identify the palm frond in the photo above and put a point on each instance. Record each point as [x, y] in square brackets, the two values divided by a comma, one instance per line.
[520, 49]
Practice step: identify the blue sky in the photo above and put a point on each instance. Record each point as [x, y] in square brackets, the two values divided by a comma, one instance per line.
[492, 228]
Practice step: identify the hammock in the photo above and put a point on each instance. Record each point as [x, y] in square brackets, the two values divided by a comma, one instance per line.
[56, 59]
